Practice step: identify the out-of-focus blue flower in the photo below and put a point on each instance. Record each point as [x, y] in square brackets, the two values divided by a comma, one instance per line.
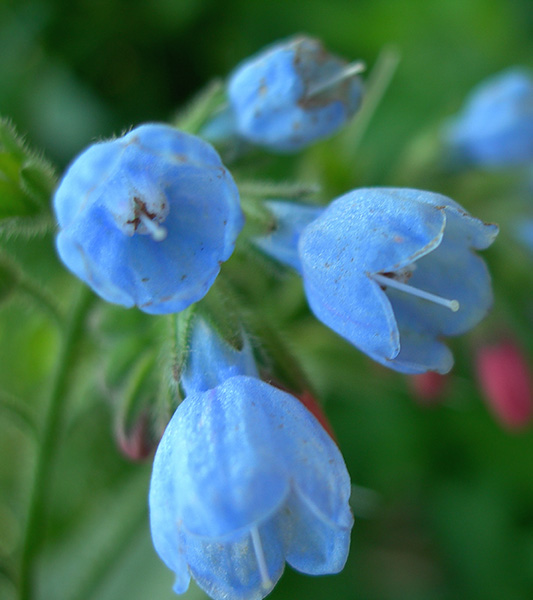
[245, 479]
[523, 232]
[292, 94]
[495, 127]
[393, 271]
[147, 219]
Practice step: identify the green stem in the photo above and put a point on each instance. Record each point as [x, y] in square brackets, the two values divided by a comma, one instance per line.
[378, 82]
[52, 425]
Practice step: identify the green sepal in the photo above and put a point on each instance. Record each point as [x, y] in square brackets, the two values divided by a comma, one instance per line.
[9, 279]
[260, 220]
[26, 183]
[222, 310]
[173, 353]
[201, 108]
[289, 190]
[138, 392]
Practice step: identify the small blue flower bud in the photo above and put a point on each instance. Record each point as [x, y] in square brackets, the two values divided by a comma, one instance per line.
[291, 219]
[147, 219]
[292, 94]
[393, 271]
[495, 127]
[244, 479]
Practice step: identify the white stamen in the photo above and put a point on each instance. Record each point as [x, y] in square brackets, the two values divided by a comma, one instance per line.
[157, 232]
[453, 305]
[345, 73]
[260, 557]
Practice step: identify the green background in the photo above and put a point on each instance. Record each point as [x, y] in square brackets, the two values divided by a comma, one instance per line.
[446, 509]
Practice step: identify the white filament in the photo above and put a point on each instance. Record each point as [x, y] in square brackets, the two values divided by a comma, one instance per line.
[345, 73]
[157, 232]
[260, 557]
[453, 305]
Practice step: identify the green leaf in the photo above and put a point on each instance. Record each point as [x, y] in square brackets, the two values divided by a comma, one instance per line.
[9, 279]
[26, 182]
[37, 180]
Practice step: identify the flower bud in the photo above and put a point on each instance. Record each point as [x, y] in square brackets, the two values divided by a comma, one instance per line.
[505, 381]
[495, 128]
[292, 94]
[137, 443]
[428, 387]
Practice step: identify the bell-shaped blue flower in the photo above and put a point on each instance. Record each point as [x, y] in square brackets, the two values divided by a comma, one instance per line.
[495, 127]
[391, 270]
[292, 94]
[245, 479]
[146, 219]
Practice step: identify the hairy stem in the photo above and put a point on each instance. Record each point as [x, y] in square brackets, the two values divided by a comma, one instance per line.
[48, 442]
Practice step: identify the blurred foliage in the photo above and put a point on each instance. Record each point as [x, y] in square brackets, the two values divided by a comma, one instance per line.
[455, 512]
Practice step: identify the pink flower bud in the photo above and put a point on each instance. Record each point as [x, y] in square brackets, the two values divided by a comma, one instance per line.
[135, 444]
[505, 381]
[428, 388]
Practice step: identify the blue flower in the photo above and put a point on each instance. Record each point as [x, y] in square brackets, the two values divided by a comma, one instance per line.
[292, 94]
[523, 231]
[291, 219]
[495, 127]
[244, 479]
[147, 219]
[357, 256]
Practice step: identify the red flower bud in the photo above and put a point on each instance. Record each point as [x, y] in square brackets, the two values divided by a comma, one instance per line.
[428, 388]
[136, 443]
[505, 381]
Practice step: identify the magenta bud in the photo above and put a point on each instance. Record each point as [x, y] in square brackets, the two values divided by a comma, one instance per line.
[136, 442]
[505, 381]
[428, 388]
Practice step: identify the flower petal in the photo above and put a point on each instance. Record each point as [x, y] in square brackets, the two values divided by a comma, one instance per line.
[163, 519]
[316, 545]
[355, 307]
[317, 470]
[452, 272]
[229, 471]
[419, 353]
[282, 242]
[228, 569]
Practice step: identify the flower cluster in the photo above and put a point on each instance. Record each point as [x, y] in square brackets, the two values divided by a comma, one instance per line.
[245, 477]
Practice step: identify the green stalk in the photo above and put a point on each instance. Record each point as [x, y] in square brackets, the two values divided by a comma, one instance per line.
[47, 447]
[378, 82]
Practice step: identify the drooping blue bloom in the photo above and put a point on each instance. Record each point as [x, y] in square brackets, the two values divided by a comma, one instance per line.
[495, 127]
[147, 219]
[292, 94]
[245, 479]
[393, 271]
